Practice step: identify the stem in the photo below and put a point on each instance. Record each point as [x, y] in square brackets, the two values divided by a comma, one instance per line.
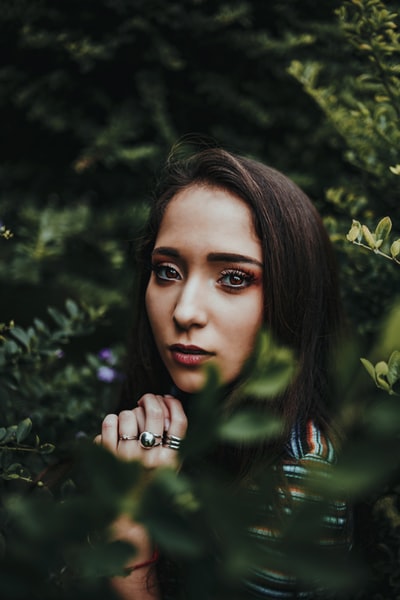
[376, 251]
[19, 449]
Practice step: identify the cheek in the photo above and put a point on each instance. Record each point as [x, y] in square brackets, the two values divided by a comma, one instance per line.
[241, 329]
[150, 304]
[158, 311]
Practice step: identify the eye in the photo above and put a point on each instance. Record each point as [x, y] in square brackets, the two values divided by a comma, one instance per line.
[166, 272]
[235, 279]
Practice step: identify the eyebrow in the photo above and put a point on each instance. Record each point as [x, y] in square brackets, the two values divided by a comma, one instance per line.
[212, 256]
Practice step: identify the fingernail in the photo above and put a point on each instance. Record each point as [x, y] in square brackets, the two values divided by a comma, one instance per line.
[167, 423]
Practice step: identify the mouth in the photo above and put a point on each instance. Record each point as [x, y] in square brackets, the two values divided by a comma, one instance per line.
[188, 349]
[189, 355]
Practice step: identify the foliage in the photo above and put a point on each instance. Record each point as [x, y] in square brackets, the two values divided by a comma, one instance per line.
[363, 106]
[385, 374]
[377, 241]
[92, 97]
[68, 562]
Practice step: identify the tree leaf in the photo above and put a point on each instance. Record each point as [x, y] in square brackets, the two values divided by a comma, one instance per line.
[23, 430]
[368, 236]
[46, 448]
[72, 308]
[250, 426]
[394, 367]
[10, 434]
[355, 232]
[395, 248]
[22, 337]
[58, 317]
[383, 228]
[369, 367]
[381, 371]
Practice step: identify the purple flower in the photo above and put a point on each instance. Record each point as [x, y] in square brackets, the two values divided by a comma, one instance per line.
[106, 374]
[107, 355]
[59, 353]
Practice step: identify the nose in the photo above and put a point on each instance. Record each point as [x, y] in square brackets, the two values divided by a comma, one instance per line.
[191, 306]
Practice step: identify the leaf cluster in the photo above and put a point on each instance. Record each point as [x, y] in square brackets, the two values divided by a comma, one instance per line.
[375, 241]
[386, 375]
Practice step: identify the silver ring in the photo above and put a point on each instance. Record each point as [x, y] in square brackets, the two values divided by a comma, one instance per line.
[147, 440]
[171, 441]
[126, 438]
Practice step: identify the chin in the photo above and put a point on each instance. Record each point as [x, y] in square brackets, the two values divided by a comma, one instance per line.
[190, 385]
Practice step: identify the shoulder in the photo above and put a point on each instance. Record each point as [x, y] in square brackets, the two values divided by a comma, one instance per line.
[309, 443]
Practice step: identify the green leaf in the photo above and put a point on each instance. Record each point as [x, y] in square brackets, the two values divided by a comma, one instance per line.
[381, 371]
[393, 374]
[11, 348]
[249, 426]
[395, 169]
[101, 560]
[72, 308]
[369, 367]
[3, 433]
[355, 232]
[10, 434]
[395, 248]
[381, 368]
[369, 238]
[40, 326]
[57, 316]
[271, 383]
[20, 335]
[46, 448]
[23, 430]
[383, 228]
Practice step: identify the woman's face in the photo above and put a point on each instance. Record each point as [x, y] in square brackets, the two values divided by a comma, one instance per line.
[205, 295]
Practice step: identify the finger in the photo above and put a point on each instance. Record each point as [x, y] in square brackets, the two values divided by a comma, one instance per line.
[154, 415]
[141, 418]
[177, 431]
[179, 422]
[97, 439]
[167, 416]
[142, 415]
[109, 432]
[127, 434]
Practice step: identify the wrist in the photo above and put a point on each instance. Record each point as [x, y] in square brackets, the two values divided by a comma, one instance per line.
[146, 563]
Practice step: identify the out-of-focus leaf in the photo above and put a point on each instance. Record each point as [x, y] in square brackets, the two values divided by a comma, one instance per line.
[394, 367]
[23, 430]
[250, 426]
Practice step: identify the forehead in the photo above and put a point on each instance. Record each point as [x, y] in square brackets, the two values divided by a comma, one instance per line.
[209, 216]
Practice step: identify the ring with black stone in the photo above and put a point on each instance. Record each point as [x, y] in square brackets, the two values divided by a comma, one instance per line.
[148, 440]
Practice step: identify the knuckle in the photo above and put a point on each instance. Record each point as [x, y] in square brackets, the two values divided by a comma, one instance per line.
[155, 411]
[181, 420]
[110, 421]
[126, 415]
[147, 398]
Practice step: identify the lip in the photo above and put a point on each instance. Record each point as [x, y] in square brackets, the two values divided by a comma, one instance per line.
[189, 355]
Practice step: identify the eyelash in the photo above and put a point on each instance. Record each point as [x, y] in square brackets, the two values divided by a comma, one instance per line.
[247, 278]
[157, 269]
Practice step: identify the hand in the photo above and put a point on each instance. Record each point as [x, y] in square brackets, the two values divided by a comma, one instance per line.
[155, 414]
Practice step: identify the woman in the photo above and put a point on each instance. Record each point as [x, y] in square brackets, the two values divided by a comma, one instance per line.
[231, 246]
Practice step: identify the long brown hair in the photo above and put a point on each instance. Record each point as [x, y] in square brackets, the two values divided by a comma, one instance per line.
[301, 298]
